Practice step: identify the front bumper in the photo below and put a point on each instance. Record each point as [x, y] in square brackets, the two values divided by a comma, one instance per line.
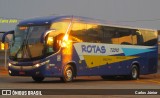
[26, 70]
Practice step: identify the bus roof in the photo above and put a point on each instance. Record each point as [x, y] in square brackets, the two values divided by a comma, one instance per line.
[49, 19]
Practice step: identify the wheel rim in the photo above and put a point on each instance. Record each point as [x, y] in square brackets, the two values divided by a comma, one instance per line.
[69, 74]
[134, 73]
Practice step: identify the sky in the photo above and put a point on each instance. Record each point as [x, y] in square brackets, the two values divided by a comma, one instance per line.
[136, 13]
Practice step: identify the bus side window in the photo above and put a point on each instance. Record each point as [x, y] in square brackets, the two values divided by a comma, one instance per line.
[94, 33]
[115, 37]
[125, 36]
[109, 35]
[54, 38]
[150, 37]
[57, 43]
[137, 38]
[77, 33]
[54, 42]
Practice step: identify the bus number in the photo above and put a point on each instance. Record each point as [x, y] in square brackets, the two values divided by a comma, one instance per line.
[114, 50]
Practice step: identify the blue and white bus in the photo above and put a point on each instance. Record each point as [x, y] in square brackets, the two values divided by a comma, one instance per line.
[70, 46]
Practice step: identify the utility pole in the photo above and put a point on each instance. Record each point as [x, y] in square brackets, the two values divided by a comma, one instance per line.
[5, 58]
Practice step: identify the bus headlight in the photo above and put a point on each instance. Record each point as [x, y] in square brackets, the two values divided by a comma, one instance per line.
[9, 64]
[40, 64]
[37, 65]
[10, 71]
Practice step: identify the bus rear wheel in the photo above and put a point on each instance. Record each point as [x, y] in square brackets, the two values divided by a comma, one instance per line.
[134, 75]
[68, 74]
[38, 78]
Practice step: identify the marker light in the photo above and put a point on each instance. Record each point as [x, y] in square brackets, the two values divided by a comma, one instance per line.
[43, 63]
[2, 46]
[10, 71]
[37, 65]
[9, 64]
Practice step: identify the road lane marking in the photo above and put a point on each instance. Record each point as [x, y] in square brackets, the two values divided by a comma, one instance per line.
[154, 81]
[141, 82]
[148, 81]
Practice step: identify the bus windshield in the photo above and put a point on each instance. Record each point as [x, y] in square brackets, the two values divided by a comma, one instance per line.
[26, 43]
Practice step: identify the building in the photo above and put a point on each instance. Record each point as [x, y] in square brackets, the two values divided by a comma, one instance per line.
[3, 48]
[158, 41]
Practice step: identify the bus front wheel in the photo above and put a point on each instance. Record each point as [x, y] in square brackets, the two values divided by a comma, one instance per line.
[134, 75]
[68, 74]
[37, 78]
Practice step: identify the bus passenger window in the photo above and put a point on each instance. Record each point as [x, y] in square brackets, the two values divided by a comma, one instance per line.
[60, 27]
[110, 36]
[54, 42]
[150, 37]
[78, 32]
[125, 36]
[137, 38]
[94, 33]
[54, 38]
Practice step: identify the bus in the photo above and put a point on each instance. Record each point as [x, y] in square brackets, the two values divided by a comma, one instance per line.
[70, 46]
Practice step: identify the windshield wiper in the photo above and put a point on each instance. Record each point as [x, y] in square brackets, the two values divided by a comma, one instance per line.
[27, 47]
[21, 48]
[23, 45]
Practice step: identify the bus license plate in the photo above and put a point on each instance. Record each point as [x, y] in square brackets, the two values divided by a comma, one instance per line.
[21, 72]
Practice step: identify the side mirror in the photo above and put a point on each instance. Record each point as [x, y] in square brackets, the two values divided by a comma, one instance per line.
[5, 34]
[43, 36]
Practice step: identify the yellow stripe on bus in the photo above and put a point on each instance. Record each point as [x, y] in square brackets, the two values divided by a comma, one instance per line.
[95, 61]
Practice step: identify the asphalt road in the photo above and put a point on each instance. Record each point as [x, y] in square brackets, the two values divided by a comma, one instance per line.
[85, 82]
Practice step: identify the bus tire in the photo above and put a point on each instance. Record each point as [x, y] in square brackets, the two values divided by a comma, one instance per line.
[38, 78]
[68, 74]
[134, 75]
